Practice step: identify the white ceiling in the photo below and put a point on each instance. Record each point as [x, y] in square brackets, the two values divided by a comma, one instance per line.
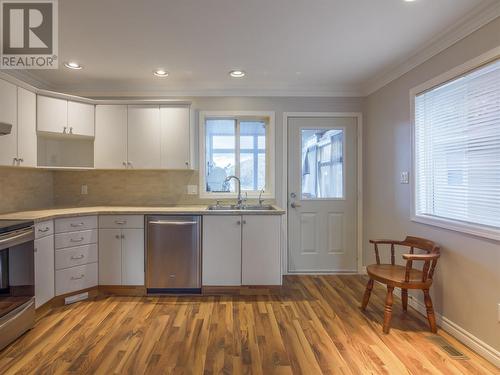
[287, 47]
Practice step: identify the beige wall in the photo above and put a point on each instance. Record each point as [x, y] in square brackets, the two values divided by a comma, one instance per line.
[25, 189]
[467, 285]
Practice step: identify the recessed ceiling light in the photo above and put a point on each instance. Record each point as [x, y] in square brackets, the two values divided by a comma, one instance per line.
[73, 65]
[237, 73]
[409, 1]
[160, 73]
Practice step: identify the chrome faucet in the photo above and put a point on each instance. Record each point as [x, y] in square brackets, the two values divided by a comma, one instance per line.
[240, 200]
[260, 197]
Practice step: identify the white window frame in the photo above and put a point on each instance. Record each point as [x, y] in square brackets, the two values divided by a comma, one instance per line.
[269, 193]
[455, 225]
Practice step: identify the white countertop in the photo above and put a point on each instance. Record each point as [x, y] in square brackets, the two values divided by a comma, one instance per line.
[53, 213]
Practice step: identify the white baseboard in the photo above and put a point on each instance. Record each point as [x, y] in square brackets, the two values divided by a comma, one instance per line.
[467, 338]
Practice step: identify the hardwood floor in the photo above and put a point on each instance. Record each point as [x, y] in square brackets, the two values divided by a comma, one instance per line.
[312, 326]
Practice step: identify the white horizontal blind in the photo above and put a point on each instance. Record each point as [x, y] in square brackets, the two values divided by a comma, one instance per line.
[457, 148]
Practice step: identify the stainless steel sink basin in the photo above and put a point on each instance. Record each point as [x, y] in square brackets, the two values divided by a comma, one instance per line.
[233, 207]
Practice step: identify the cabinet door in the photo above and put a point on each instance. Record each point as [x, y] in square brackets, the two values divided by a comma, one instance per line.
[26, 128]
[44, 270]
[261, 250]
[175, 137]
[81, 118]
[8, 115]
[144, 147]
[133, 257]
[110, 145]
[110, 257]
[221, 250]
[52, 114]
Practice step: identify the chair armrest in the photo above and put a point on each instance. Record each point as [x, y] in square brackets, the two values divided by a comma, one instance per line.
[423, 257]
[386, 242]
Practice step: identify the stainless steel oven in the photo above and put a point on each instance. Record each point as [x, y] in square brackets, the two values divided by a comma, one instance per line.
[17, 285]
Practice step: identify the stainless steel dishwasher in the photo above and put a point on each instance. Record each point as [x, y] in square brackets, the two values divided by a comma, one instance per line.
[173, 254]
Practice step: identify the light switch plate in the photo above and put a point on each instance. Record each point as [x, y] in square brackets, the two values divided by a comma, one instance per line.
[84, 190]
[404, 178]
[192, 189]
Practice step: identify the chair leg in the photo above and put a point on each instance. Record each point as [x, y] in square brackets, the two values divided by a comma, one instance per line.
[430, 311]
[366, 297]
[404, 299]
[388, 309]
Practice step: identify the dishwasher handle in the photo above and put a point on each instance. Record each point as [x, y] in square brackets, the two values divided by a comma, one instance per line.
[162, 222]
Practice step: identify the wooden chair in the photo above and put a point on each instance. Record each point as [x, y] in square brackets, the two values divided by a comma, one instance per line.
[404, 277]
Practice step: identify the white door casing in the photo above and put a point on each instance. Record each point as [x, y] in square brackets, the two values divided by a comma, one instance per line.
[322, 232]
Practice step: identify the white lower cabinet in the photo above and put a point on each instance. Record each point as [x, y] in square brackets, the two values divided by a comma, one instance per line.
[44, 268]
[133, 257]
[75, 243]
[260, 250]
[110, 257]
[221, 250]
[76, 278]
[241, 250]
[121, 250]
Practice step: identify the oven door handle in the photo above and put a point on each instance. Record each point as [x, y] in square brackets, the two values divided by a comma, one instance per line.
[8, 318]
[5, 242]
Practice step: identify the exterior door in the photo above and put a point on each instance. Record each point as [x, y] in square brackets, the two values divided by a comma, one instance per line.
[322, 194]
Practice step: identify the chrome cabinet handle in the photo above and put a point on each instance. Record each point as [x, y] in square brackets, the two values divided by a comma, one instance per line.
[21, 160]
[238, 222]
[76, 225]
[77, 278]
[81, 256]
[71, 130]
[120, 222]
[122, 236]
[77, 239]
[117, 237]
[44, 230]
[64, 129]
[244, 222]
[125, 164]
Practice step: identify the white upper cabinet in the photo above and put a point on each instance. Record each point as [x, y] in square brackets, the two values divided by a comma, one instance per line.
[61, 116]
[26, 128]
[8, 115]
[81, 118]
[52, 115]
[175, 137]
[144, 141]
[110, 146]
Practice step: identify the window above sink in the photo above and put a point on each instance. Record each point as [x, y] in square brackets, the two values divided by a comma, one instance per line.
[239, 144]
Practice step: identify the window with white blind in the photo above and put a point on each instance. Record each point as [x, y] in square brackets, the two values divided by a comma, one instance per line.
[457, 152]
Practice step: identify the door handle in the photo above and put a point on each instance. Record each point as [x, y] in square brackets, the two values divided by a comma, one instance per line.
[295, 205]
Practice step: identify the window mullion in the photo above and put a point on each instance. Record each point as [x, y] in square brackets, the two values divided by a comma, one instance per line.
[237, 149]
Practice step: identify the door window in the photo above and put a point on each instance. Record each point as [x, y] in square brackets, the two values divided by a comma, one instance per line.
[322, 170]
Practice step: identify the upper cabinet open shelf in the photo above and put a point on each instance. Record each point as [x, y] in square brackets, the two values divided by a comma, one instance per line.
[51, 130]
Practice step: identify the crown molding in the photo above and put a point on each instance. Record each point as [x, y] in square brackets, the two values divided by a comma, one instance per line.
[461, 29]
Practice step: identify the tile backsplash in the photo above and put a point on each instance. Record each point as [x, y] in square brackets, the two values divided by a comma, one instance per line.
[25, 189]
[126, 187]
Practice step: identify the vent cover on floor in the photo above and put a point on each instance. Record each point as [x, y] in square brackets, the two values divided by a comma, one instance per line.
[447, 347]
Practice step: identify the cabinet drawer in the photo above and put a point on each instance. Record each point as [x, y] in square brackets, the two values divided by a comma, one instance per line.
[76, 256]
[121, 221]
[44, 228]
[71, 239]
[72, 224]
[76, 278]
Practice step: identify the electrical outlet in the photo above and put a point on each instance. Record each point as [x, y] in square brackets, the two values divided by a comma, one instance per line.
[84, 190]
[404, 178]
[192, 189]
